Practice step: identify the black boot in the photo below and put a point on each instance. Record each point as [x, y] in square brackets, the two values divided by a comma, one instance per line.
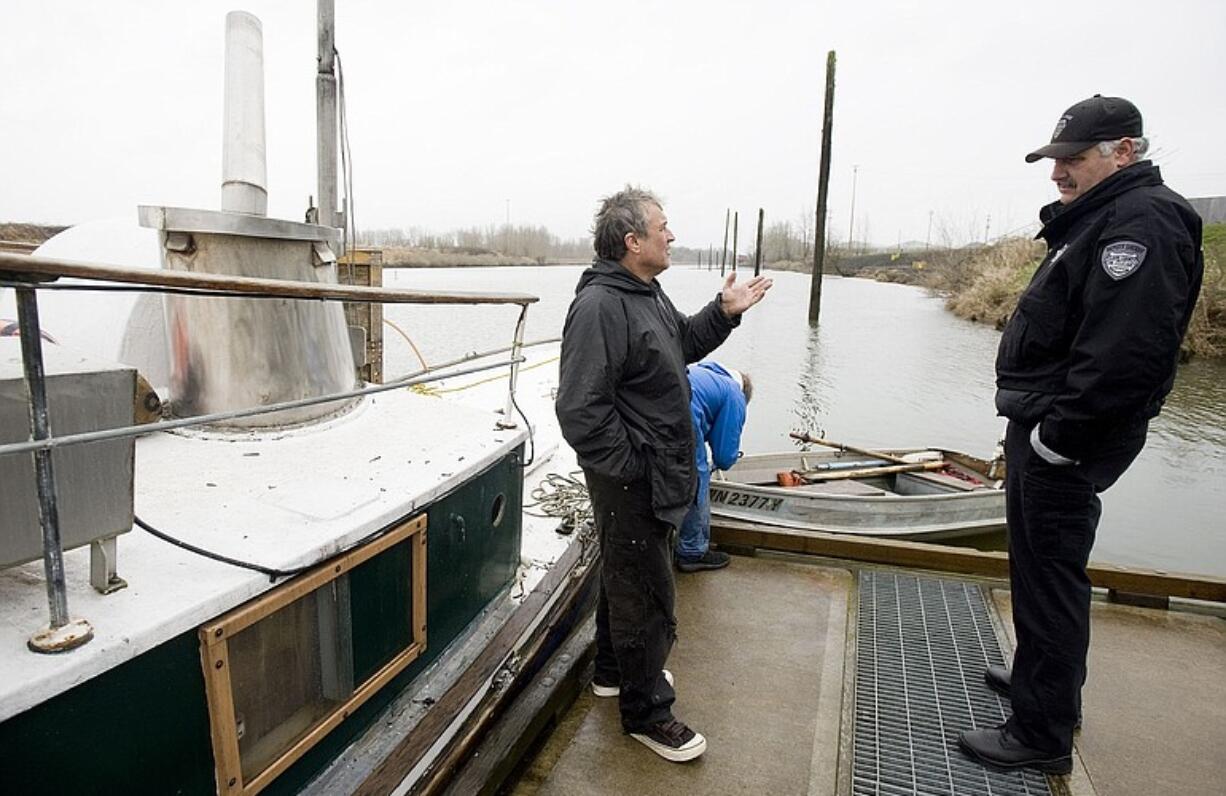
[1000, 749]
[999, 679]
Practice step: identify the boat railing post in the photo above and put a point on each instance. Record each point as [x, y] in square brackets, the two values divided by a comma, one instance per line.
[517, 347]
[63, 633]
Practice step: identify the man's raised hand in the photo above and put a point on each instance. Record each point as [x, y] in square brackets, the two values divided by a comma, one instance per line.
[735, 299]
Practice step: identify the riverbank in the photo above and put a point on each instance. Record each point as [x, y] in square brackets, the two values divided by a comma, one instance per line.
[983, 283]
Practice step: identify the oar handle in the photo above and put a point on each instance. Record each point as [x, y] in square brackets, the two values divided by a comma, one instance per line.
[804, 437]
[870, 472]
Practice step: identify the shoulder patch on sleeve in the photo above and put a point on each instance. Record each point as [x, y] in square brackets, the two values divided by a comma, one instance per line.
[1120, 259]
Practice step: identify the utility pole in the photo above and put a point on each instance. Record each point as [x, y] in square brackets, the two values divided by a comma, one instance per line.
[723, 257]
[821, 221]
[851, 230]
[928, 240]
[987, 227]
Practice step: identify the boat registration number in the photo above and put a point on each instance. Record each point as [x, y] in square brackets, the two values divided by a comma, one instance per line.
[745, 500]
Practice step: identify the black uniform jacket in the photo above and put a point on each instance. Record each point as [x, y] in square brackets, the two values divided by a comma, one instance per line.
[623, 396]
[1093, 343]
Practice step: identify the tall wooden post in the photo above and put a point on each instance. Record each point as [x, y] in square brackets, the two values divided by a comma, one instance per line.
[757, 249]
[735, 217]
[823, 180]
[723, 256]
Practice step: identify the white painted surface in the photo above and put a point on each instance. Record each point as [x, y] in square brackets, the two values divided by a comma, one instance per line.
[281, 500]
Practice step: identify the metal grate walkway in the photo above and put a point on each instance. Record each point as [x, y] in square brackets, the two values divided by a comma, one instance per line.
[921, 648]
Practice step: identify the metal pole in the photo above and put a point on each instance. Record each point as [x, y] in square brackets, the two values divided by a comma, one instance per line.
[723, 256]
[62, 634]
[325, 113]
[508, 419]
[757, 256]
[244, 175]
[822, 221]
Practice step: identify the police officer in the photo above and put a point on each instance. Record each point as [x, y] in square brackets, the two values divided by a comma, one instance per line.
[1084, 363]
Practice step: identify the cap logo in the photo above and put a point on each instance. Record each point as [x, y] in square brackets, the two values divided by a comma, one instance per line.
[1060, 125]
[1123, 258]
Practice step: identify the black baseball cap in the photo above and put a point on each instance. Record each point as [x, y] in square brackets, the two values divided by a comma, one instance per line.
[1082, 126]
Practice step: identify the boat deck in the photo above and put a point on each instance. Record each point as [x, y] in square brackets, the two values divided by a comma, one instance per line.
[767, 652]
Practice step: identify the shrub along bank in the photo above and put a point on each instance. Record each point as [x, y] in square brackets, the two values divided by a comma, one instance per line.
[983, 284]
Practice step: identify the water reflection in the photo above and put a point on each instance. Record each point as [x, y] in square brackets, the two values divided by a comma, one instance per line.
[1193, 413]
[809, 408]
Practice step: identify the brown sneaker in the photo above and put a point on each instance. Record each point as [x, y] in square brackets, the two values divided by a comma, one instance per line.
[672, 740]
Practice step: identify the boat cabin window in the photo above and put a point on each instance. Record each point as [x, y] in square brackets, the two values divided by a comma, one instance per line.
[285, 669]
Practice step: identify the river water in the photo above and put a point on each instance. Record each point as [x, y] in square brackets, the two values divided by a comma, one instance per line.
[888, 367]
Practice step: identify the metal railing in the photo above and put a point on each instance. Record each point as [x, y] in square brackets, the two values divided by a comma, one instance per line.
[27, 274]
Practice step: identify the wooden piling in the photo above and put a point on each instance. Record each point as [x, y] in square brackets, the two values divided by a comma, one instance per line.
[723, 257]
[735, 217]
[823, 180]
[757, 249]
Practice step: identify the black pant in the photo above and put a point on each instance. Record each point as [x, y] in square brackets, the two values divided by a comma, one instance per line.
[1052, 514]
[635, 623]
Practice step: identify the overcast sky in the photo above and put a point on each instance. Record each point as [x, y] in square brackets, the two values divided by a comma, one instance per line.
[463, 112]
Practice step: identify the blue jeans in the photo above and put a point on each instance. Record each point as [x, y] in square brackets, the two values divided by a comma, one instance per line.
[695, 536]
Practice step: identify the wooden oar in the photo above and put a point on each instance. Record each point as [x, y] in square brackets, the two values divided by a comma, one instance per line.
[900, 465]
[870, 472]
[803, 437]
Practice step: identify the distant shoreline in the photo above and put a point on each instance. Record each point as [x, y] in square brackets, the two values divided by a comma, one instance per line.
[529, 264]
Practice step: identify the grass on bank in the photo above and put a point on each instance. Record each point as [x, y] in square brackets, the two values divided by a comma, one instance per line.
[983, 285]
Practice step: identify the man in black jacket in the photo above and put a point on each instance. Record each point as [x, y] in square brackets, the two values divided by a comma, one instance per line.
[624, 406]
[1085, 362]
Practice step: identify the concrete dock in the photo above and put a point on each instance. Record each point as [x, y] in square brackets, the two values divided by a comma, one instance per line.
[764, 668]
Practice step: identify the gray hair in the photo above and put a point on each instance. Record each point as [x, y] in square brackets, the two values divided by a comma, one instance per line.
[1140, 146]
[620, 214]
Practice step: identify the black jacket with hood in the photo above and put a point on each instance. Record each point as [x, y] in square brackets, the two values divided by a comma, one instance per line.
[1092, 345]
[623, 396]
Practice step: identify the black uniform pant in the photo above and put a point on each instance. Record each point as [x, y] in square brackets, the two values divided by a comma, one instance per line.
[1052, 514]
[635, 623]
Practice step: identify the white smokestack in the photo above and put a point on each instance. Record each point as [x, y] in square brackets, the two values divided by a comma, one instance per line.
[243, 171]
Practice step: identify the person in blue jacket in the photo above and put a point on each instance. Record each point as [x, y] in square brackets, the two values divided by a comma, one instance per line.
[718, 399]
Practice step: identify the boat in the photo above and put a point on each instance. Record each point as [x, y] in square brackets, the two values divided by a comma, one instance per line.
[227, 563]
[918, 494]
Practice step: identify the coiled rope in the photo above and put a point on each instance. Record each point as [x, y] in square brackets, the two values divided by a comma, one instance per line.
[563, 496]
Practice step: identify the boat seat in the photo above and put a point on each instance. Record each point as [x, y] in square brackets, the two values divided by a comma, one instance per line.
[947, 481]
[842, 486]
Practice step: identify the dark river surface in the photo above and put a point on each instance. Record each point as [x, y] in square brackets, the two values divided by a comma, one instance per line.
[888, 367]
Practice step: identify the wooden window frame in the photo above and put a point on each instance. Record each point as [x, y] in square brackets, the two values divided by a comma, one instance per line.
[214, 655]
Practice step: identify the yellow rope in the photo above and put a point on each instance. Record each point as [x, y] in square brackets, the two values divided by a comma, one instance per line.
[440, 391]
